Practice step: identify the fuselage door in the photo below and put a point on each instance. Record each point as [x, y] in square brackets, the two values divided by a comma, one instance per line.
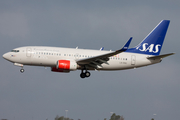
[28, 52]
[133, 60]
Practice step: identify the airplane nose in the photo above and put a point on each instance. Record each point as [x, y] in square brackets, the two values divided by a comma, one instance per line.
[5, 56]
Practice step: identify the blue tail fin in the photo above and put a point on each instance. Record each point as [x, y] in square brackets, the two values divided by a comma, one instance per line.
[152, 43]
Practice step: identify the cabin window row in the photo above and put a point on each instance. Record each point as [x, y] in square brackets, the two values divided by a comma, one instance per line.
[77, 55]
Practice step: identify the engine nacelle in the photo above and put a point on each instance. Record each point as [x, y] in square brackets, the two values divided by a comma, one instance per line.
[54, 69]
[66, 65]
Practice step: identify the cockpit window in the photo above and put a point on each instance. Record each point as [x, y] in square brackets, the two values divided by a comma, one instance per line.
[14, 50]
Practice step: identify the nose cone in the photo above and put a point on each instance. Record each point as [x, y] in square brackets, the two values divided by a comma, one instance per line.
[6, 56]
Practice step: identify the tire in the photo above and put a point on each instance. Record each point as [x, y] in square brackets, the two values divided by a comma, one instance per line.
[87, 74]
[21, 70]
[82, 75]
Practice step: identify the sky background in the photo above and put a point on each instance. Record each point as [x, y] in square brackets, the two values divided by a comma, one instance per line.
[137, 94]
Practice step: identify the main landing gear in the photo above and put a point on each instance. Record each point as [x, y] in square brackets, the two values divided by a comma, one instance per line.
[84, 74]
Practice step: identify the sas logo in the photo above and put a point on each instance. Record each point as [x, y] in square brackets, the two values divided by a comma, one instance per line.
[151, 48]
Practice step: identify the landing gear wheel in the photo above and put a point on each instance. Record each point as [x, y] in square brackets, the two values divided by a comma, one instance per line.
[87, 74]
[82, 75]
[21, 70]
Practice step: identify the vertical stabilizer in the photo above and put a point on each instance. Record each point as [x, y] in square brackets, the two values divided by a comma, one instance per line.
[152, 43]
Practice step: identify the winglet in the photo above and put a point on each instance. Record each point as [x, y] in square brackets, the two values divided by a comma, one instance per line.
[102, 48]
[126, 46]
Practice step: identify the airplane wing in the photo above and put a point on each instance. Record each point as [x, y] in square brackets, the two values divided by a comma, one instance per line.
[96, 61]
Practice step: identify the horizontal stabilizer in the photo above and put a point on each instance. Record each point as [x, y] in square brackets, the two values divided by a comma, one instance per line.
[160, 56]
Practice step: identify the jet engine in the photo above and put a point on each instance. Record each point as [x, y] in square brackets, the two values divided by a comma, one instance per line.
[64, 66]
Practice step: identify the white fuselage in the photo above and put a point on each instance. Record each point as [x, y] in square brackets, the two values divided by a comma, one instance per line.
[69, 59]
[48, 56]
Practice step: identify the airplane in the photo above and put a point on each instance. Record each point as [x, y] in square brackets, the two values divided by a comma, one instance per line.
[65, 60]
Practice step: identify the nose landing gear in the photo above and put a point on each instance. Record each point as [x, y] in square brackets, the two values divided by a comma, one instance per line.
[85, 74]
[20, 65]
[22, 70]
